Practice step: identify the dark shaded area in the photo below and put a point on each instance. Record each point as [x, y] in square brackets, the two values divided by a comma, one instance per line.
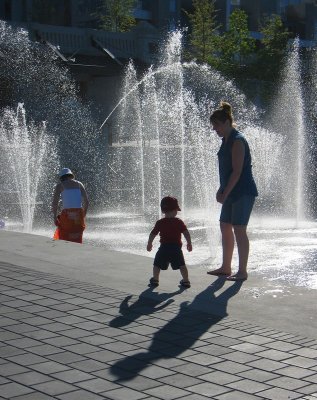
[180, 333]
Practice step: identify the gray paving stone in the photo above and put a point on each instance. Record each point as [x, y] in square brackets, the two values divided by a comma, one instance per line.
[266, 365]
[154, 372]
[30, 378]
[303, 362]
[248, 386]
[97, 340]
[310, 389]
[66, 357]
[82, 348]
[208, 389]
[10, 390]
[27, 359]
[273, 354]
[295, 372]
[75, 333]
[280, 394]
[3, 380]
[285, 382]
[167, 392]
[54, 387]
[60, 341]
[235, 395]
[219, 377]
[305, 352]
[34, 396]
[248, 348]
[104, 355]
[229, 366]
[9, 368]
[98, 385]
[40, 334]
[258, 375]
[124, 394]
[22, 343]
[9, 351]
[192, 369]
[70, 319]
[311, 378]
[180, 380]
[141, 383]
[282, 346]
[239, 357]
[5, 335]
[80, 395]
[45, 350]
[49, 367]
[72, 376]
[88, 365]
[203, 359]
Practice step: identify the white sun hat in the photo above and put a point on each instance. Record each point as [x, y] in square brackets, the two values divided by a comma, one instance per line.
[65, 171]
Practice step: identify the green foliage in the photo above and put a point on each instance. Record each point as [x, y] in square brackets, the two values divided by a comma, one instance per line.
[273, 49]
[236, 44]
[203, 39]
[116, 15]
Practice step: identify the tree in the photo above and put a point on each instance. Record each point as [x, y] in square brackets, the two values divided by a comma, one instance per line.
[236, 44]
[273, 49]
[204, 27]
[117, 15]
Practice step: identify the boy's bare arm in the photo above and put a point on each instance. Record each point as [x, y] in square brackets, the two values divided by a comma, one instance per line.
[188, 240]
[150, 242]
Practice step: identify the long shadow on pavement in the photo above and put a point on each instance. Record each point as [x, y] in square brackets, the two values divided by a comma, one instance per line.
[142, 306]
[181, 332]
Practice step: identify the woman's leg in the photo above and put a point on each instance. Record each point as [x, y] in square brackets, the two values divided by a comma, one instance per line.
[240, 232]
[227, 250]
[227, 246]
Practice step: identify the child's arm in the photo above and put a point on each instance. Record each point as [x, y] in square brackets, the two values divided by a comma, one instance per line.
[188, 240]
[150, 242]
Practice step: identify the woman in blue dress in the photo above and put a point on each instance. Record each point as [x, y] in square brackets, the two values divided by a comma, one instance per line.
[236, 193]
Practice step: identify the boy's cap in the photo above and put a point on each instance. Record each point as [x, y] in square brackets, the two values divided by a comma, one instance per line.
[169, 203]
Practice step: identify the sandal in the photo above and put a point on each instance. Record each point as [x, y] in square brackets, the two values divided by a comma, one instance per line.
[154, 282]
[185, 284]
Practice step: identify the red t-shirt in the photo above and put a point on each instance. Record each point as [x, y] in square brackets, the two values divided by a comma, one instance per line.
[170, 230]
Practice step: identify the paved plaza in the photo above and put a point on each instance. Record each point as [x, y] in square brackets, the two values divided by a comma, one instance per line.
[68, 332]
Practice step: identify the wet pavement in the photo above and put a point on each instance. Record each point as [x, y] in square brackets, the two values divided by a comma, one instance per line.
[79, 322]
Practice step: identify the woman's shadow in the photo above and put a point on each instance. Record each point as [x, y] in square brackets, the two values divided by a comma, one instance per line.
[180, 333]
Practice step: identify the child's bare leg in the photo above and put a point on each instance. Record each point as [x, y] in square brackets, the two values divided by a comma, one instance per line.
[184, 272]
[156, 273]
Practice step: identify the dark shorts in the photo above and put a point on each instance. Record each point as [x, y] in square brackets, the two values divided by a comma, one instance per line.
[237, 211]
[169, 253]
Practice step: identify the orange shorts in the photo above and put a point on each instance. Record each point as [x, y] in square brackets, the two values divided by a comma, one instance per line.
[70, 225]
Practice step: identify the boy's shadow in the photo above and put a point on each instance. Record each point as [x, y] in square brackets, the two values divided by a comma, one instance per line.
[180, 333]
[142, 306]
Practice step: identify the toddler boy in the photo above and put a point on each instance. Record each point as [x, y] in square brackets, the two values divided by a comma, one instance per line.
[170, 250]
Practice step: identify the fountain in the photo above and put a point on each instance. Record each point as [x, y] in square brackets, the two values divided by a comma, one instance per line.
[28, 156]
[163, 144]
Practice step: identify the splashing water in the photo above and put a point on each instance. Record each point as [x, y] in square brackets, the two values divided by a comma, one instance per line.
[29, 154]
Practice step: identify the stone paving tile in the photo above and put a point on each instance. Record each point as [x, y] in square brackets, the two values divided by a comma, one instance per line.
[280, 394]
[80, 395]
[125, 393]
[98, 385]
[70, 341]
[12, 389]
[208, 389]
[34, 396]
[30, 378]
[167, 392]
[235, 395]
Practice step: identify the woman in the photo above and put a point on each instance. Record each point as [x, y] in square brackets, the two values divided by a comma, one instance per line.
[236, 193]
[71, 221]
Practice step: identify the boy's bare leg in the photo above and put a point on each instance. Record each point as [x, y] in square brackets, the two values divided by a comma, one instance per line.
[184, 272]
[156, 273]
[227, 250]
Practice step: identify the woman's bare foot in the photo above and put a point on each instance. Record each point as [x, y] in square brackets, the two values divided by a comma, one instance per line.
[239, 276]
[220, 272]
